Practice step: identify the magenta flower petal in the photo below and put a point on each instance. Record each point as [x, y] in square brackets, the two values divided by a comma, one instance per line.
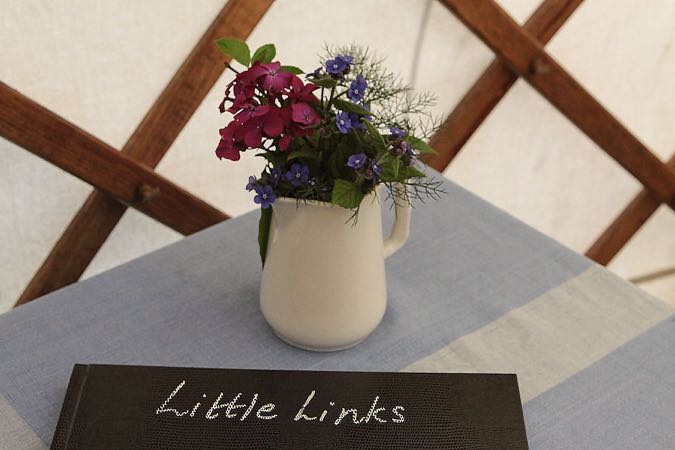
[227, 150]
[253, 136]
[284, 142]
[304, 114]
[273, 126]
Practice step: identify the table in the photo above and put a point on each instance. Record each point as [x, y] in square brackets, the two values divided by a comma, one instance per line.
[474, 290]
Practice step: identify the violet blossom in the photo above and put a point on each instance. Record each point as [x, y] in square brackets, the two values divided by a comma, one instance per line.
[357, 89]
[264, 196]
[357, 161]
[298, 174]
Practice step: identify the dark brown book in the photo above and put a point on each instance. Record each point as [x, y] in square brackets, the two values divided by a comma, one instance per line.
[138, 407]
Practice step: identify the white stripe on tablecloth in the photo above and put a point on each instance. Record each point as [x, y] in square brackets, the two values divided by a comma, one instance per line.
[556, 335]
[14, 432]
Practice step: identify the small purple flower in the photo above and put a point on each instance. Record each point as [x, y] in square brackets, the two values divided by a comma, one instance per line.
[264, 196]
[276, 176]
[376, 168]
[315, 74]
[410, 151]
[373, 171]
[357, 161]
[397, 132]
[343, 122]
[357, 89]
[298, 174]
[355, 119]
[339, 65]
[252, 183]
[401, 148]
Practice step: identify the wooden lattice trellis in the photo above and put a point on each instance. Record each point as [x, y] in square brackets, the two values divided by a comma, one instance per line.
[125, 178]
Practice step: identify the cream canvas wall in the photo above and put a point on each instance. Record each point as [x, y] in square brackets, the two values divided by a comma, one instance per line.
[101, 64]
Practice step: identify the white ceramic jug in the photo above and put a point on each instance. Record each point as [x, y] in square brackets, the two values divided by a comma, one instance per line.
[323, 284]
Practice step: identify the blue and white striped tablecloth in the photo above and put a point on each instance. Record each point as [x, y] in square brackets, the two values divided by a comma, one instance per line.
[474, 290]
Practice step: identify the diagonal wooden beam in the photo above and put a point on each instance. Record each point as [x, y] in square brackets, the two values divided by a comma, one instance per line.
[528, 58]
[626, 224]
[491, 87]
[80, 242]
[52, 138]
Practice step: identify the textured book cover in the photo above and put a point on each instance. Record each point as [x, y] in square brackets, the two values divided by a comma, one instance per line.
[138, 407]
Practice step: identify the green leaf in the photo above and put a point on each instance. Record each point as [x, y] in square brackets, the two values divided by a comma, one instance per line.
[420, 145]
[344, 105]
[292, 69]
[395, 166]
[326, 82]
[235, 48]
[264, 231]
[304, 153]
[391, 169]
[265, 54]
[346, 194]
[413, 172]
[276, 158]
[374, 133]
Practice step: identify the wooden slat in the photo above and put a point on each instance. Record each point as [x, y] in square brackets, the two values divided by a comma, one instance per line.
[79, 243]
[52, 138]
[192, 82]
[491, 87]
[528, 58]
[624, 227]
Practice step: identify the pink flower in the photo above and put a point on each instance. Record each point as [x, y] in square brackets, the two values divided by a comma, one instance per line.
[274, 79]
[302, 92]
[227, 148]
[284, 142]
[304, 114]
[254, 123]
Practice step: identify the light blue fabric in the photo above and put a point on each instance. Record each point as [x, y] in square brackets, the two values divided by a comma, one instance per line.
[626, 400]
[195, 303]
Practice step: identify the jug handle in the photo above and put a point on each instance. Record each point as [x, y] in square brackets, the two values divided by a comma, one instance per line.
[400, 230]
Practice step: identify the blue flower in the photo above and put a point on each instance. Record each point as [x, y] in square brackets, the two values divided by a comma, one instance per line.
[339, 65]
[397, 132]
[373, 171]
[343, 122]
[357, 89]
[252, 183]
[356, 121]
[276, 176]
[315, 74]
[264, 196]
[410, 151]
[298, 174]
[356, 161]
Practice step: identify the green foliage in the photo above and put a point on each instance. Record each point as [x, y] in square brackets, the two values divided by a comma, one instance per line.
[292, 69]
[420, 145]
[265, 54]
[392, 101]
[344, 105]
[325, 82]
[236, 49]
[347, 194]
[264, 231]
[305, 153]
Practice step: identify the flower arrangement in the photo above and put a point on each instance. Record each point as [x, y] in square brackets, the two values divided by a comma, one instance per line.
[335, 136]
